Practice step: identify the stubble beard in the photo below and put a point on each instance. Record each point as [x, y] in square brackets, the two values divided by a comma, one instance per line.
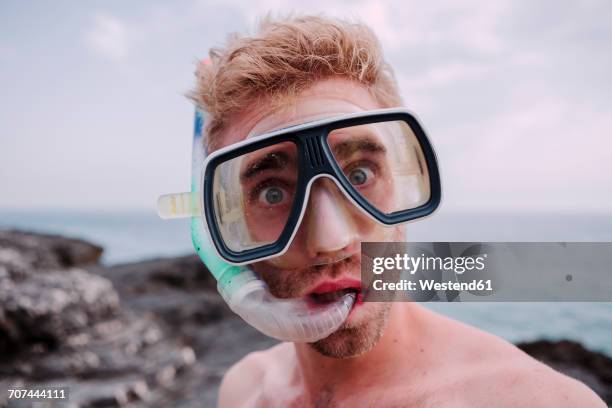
[353, 340]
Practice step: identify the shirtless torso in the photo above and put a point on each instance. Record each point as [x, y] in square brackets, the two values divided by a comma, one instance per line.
[431, 361]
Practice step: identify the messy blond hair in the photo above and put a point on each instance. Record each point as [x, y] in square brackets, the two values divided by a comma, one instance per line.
[284, 58]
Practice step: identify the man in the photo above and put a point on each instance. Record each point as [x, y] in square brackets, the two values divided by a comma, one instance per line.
[384, 354]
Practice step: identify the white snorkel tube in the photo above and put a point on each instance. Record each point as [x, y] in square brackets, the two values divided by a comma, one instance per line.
[295, 320]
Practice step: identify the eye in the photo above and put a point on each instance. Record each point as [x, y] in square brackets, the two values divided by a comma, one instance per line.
[360, 175]
[271, 195]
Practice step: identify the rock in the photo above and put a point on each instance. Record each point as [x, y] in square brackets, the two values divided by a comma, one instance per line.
[47, 307]
[184, 273]
[179, 290]
[21, 252]
[60, 324]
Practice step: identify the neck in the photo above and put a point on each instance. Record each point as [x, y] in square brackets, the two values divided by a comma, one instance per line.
[401, 337]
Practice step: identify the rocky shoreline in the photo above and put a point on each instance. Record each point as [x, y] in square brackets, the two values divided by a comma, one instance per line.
[152, 333]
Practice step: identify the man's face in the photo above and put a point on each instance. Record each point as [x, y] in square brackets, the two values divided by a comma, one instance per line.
[323, 261]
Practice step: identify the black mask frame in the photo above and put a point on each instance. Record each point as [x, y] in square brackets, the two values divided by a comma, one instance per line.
[315, 159]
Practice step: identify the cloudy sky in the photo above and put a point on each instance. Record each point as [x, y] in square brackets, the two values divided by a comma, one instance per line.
[514, 94]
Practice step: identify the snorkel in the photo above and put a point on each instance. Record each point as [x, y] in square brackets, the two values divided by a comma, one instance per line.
[296, 319]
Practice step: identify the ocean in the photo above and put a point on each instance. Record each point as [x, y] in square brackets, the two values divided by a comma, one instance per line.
[130, 236]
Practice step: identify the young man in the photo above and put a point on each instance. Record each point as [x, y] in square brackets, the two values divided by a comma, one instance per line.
[384, 354]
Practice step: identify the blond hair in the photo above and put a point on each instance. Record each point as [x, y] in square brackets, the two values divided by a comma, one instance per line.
[284, 58]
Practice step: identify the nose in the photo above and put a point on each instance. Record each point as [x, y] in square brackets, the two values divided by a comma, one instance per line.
[329, 227]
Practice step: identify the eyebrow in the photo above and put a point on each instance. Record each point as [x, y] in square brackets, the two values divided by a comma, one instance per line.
[271, 161]
[346, 148]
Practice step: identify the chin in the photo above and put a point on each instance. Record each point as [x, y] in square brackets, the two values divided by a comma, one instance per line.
[358, 335]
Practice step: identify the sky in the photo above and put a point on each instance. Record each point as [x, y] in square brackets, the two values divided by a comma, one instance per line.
[513, 94]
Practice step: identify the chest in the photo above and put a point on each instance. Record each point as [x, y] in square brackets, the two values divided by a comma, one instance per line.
[380, 396]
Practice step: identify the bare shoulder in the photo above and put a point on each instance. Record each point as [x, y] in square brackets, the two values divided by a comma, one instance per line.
[242, 383]
[536, 384]
[485, 370]
[504, 375]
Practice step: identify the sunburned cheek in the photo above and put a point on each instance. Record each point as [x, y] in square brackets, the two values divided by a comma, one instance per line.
[265, 225]
[263, 233]
[383, 197]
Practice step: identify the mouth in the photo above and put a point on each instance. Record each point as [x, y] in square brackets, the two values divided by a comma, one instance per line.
[331, 291]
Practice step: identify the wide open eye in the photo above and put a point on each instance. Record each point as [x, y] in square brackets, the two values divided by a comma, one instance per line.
[272, 195]
[360, 176]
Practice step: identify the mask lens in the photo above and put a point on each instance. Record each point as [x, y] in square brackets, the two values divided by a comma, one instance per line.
[384, 163]
[254, 195]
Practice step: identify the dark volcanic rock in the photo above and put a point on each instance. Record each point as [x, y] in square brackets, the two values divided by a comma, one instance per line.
[47, 307]
[182, 293]
[179, 290]
[184, 273]
[64, 326]
[21, 252]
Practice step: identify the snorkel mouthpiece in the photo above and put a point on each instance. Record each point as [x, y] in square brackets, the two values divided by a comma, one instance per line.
[247, 295]
[284, 319]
